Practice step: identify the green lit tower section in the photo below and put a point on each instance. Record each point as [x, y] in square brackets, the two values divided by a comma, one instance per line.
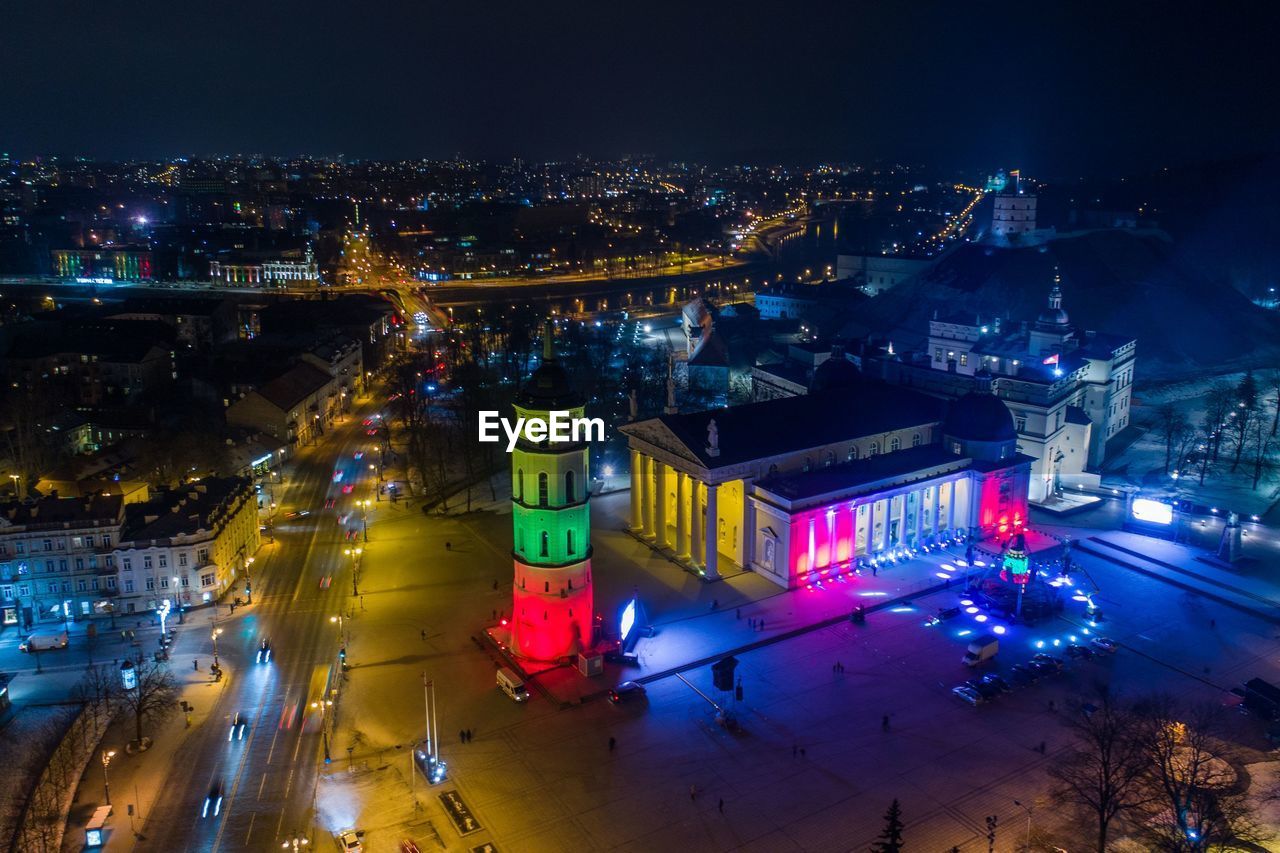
[551, 521]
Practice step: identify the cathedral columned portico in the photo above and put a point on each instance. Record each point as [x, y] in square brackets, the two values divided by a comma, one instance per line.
[795, 485]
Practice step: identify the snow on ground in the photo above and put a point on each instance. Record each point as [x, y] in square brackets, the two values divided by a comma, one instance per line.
[1141, 464]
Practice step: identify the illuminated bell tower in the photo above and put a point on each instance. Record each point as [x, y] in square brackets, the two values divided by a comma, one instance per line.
[551, 616]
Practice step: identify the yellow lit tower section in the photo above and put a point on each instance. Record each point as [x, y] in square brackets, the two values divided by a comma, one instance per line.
[551, 616]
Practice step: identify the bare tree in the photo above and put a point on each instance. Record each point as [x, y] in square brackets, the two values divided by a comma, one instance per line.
[1218, 403]
[1197, 800]
[1262, 444]
[1172, 424]
[1103, 774]
[1242, 416]
[99, 689]
[155, 698]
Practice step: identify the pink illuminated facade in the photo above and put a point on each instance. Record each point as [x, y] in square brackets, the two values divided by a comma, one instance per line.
[797, 487]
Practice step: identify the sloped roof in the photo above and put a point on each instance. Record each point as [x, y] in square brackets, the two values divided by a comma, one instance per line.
[790, 424]
[294, 385]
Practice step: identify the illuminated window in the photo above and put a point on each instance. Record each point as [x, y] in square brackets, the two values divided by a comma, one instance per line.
[546, 543]
[895, 444]
[874, 448]
[542, 489]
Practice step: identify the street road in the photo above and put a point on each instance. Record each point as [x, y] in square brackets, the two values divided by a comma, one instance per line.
[268, 777]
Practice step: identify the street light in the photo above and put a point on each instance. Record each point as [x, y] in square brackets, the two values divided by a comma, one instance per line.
[216, 632]
[354, 554]
[107, 755]
[17, 484]
[324, 730]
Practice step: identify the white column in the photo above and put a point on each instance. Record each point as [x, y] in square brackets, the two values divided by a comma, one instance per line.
[712, 538]
[637, 516]
[682, 513]
[660, 507]
[951, 508]
[646, 480]
[695, 521]
[749, 528]
[919, 494]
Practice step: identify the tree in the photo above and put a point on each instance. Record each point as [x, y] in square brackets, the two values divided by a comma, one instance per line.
[1261, 446]
[1172, 424]
[891, 836]
[1242, 416]
[99, 689]
[1103, 774]
[1197, 802]
[1219, 401]
[155, 698]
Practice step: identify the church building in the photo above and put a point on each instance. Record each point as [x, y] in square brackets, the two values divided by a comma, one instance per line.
[798, 487]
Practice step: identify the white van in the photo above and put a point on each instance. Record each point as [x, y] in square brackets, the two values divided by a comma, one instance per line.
[40, 642]
[512, 685]
[982, 649]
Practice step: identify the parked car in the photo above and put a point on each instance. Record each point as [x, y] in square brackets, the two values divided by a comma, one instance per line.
[1048, 659]
[1020, 673]
[1044, 668]
[350, 840]
[1075, 650]
[1103, 644]
[987, 691]
[626, 691]
[997, 682]
[967, 694]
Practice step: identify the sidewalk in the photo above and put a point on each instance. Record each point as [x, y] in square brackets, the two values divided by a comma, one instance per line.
[739, 623]
[135, 778]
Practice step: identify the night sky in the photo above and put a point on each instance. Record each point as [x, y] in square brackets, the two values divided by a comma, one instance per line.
[1059, 88]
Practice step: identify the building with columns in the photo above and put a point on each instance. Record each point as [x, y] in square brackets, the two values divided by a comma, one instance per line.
[551, 615]
[816, 483]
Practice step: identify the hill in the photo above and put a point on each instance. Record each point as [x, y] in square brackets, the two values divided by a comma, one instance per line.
[1118, 281]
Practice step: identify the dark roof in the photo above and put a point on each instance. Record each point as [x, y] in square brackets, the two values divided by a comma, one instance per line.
[55, 510]
[111, 340]
[870, 469]
[295, 385]
[979, 417]
[835, 372]
[345, 311]
[711, 351]
[184, 305]
[181, 511]
[791, 424]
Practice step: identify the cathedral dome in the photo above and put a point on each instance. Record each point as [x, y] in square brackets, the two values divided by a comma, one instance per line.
[835, 372]
[1053, 317]
[979, 417]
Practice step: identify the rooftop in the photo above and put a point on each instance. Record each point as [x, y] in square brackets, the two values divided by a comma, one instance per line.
[294, 385]
[182, 511]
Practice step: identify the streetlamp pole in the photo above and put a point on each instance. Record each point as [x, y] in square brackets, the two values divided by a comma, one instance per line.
[107, 755]
[216, 632]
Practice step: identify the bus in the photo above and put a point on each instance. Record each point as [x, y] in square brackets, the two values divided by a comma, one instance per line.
[321, 691]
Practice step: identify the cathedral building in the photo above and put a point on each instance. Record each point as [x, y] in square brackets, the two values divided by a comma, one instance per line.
[797, 487]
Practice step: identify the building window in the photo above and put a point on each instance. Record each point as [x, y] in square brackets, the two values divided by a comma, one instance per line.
[126, 563]
[186, 581]
[150, 583]
[568, 542]
[203, 556]
[7, 592]
[895, 444]
[853, 454]
[874, 448]
[182, 559]
[937, 354]
[570, 494]
[88, 541]
[48, 544]
[915, 440]
[964, 359]
[146, 561]
[128, 584]
[546, 544]
[79, 564]
[111, 581]
[956, 448]
[1020, 423]
[831, 458]
[542, 489]
[82, 585]
[207, 579]
[164, 561]
[164, 581]
[520, 485]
